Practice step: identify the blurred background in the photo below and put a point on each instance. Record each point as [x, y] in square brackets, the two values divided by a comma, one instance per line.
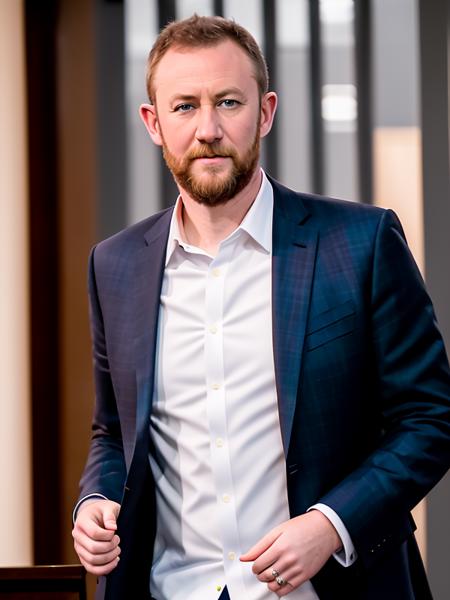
[363, 115]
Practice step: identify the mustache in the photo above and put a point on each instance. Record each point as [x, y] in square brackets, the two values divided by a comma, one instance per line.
[210, 151]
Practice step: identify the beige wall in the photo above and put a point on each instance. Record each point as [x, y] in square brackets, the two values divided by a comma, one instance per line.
[398, 185]
[15, 434]
[398, 181]
[77, 215]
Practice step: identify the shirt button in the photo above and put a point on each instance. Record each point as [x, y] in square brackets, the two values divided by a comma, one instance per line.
[216, 386]
[218, 588]
[226, 498]
[216, 272]
[213, 329]
[231, 555]
[219, 442]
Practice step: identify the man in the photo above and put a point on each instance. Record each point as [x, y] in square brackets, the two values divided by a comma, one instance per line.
[273, 396]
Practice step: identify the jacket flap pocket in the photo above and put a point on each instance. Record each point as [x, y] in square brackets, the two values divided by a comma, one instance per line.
[330, 324]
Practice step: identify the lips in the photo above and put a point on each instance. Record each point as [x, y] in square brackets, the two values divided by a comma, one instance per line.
[211, 156]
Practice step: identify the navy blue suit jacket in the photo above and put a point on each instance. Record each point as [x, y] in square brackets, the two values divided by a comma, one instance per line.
[362, 378]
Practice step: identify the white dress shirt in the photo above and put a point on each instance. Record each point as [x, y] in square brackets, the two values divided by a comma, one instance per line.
[218, 461]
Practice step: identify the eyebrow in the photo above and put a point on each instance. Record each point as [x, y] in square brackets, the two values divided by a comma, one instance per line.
[182, 98]
[232, 91]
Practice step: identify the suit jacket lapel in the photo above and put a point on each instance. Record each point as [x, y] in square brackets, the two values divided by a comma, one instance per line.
[294, 254]
[148, 275]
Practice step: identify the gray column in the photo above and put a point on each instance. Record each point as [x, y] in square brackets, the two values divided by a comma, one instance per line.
[109, 59]
[434, 32]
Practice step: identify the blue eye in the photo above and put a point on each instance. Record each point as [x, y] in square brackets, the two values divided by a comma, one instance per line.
[228, 103]
[183, 107]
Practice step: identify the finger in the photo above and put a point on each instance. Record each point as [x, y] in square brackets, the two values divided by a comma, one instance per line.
[103, 512]
[267, 559]
[93, 528]
[266, 576]
[261, 546]
[284, 591]
[100, 570]
[280, 590]
[93, 546]
[269, 574]
[292, 583]
[97, 559]
[287, 566]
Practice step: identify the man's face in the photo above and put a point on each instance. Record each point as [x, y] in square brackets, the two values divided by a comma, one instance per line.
[213, 182]
[208, 118]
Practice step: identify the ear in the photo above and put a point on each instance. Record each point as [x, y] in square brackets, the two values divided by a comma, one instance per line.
[150, 119]
[268, 107]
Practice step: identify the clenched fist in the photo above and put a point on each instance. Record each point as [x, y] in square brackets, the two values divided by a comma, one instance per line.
[95, 540]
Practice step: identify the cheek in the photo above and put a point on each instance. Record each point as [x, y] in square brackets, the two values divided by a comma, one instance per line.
[177, 133]
[243, 133]
[178, 141]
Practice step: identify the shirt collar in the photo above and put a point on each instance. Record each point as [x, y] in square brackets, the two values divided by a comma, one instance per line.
[257, 223]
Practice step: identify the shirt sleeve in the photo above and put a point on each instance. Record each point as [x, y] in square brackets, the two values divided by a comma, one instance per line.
[347, 555]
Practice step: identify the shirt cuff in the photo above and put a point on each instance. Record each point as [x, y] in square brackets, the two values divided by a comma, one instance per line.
[80, 502]
[347, 555]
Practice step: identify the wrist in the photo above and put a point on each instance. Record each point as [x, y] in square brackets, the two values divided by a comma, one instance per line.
[335, 542]
[84, 502]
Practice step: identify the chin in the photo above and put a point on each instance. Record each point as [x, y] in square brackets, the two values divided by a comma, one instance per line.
[212, 173]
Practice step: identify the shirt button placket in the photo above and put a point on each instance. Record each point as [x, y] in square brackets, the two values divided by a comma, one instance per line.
[216, 404]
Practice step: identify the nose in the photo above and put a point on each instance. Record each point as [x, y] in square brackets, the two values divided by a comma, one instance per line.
[209, 129]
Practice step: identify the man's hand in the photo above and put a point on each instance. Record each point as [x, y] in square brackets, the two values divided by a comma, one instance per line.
[94, 536]
[296, 550]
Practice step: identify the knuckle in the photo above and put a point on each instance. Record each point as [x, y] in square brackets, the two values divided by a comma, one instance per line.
[89, 529]
[84, 561]
[90, 546]
[97, 561]
[291, 558]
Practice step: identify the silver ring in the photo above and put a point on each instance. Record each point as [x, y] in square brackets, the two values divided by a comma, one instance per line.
[275, 573]
[280, 580]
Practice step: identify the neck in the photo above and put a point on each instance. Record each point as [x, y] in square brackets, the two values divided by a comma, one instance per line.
[206, 226]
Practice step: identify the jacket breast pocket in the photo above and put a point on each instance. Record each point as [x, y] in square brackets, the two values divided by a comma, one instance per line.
[330, 324]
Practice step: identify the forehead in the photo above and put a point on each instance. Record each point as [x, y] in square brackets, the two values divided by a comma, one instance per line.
[192, 70]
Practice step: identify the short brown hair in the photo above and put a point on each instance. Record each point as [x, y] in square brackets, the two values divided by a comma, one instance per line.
[197, 32]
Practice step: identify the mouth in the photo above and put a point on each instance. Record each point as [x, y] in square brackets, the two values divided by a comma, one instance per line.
[211, 159]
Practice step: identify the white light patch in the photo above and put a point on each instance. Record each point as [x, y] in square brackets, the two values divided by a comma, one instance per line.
[336, 12]
[339, 106]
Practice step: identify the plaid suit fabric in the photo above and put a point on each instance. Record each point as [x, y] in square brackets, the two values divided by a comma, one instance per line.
[362, 378]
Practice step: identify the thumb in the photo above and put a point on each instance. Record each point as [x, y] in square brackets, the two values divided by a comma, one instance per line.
[261, 546]
[110, 514]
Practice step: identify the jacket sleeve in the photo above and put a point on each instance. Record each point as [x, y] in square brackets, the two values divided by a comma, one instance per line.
[414, 397]
[105, 470]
